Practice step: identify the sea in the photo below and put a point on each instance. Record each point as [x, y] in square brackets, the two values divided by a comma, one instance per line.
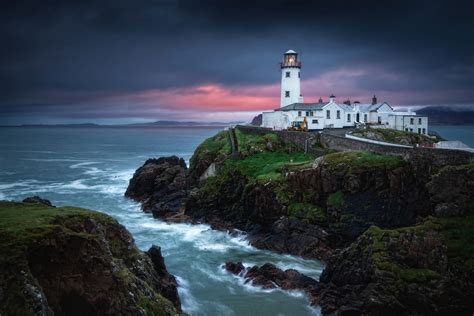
[91, 167]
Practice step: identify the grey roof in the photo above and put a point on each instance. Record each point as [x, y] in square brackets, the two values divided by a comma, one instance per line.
[302, 107]
[367, 107]
[346, 107]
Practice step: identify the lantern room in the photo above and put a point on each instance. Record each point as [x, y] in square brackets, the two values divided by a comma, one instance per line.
[290, 60]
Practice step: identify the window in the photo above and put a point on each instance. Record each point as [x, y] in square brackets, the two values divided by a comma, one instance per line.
[349, 117]
[287, 74]
[357, 117]
[424, 131]
[311, 113]
[299, 76]
[307, 113]
[406, 129]
[299, 113]
[365, 117]
[419, 121]
[419, 131]
[412, 121]
[411, 129]
[328, 114]
[287, 94]
[315, 121]
[338, 114]
[379, 119]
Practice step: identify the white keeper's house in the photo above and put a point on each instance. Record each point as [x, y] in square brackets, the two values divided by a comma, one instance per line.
[294, 112]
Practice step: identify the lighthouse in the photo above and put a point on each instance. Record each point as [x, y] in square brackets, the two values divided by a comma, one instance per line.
[290, 79]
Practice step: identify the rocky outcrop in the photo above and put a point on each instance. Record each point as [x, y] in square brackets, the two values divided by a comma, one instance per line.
[161, 185]
[37, 199]
[269, 276]
[451, 190]
[407, 271]
[68, 261]
[321, 209]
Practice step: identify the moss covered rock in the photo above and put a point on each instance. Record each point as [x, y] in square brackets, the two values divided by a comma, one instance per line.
[424, 269]
[72, 261]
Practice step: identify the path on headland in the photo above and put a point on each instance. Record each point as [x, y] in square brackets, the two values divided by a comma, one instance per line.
[233, 141]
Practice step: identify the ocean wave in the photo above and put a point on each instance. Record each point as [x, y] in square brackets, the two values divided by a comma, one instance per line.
[189, 303]
[82, 164]
[24, 183]
[52, 159]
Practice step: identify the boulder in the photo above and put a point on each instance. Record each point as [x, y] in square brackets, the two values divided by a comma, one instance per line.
[269, 276]
[37, 199]
[161, 185]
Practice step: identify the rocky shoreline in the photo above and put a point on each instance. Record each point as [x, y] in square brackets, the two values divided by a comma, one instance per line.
[331, 208]
[72, 261]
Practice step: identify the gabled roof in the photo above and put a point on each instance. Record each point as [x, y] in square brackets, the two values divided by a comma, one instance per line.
[368, 107]
[302, 107]
[345, 107]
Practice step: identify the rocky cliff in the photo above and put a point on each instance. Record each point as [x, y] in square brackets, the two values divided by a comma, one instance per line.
[71, 261]
[322, 207]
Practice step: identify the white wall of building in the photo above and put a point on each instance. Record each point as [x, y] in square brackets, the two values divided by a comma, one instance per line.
[290, 85]
[409, 123]
[334, 115]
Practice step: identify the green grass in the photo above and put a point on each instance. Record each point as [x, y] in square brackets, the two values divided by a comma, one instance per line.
[363, 159]
[249, 144]
[307, 211]
[336, 200]
[216, 145]
[267, 165]
[396, 136]
[21, 221]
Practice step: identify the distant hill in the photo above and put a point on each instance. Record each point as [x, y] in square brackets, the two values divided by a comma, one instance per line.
[185, 123]
[448, 115]
[257, 120]
[148, 124]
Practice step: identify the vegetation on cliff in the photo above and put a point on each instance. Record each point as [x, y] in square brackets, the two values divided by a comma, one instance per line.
[69, 260]
[395, 136]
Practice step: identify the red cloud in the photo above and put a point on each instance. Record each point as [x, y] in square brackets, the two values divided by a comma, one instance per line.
[211, 97]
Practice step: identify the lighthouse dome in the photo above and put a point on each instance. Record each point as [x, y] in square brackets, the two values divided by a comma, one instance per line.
[290, 52]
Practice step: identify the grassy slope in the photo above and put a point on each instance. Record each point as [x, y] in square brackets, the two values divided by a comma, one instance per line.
[261, 163]
[22, 223]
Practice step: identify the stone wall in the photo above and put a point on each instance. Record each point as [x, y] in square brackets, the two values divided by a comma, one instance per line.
[310, 141]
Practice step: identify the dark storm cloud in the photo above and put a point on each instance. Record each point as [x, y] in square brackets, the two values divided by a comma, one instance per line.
[67, 52]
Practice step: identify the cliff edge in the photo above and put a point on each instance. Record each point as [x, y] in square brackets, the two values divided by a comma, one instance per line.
[72, 261]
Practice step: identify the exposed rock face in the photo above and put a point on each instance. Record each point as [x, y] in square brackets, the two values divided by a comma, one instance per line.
[161, 185]
[451, 190]
[166, 283]
[397, 272]
[77, 262]
[268, 277]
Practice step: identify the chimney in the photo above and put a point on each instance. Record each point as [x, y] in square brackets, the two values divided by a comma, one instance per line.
[347, 102]
[320, 100]
[374, 100]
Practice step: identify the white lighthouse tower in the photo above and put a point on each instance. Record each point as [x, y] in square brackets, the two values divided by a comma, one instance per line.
[290, 79]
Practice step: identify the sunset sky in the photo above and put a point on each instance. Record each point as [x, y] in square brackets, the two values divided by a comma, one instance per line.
[213, 60]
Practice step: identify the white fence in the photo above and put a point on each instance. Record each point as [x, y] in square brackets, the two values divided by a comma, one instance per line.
[376, 141]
